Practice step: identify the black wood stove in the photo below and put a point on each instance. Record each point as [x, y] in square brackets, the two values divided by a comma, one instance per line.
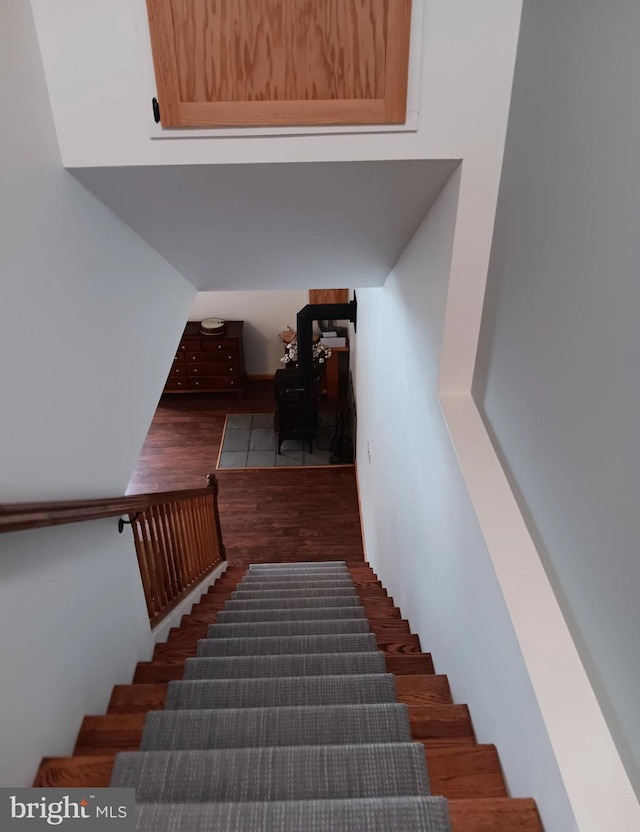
[296, 390]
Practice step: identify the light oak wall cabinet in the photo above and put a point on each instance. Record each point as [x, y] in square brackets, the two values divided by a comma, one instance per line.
[248, 63]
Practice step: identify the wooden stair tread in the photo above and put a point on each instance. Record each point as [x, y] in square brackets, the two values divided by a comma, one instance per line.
[423, 689]
[110, 734]
[468, 774]
[410, 664]
[431, 724]
[75, 772]
[170, 668]
[448, 773]
[443, 721]
[495, 815]
[465, 771]
[135, 699]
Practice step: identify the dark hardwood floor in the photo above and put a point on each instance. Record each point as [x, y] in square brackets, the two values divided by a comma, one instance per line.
[280, 514]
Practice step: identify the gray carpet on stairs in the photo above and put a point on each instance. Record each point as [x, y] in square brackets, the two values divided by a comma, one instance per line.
[328, 602]
[303, 772]
[294, 690]
[322, 565]
[296, 664]
[293, 583]
[273, 727]
[277, 645]
[264, 629]
[266, 594]
[391, 814]
[286, 721]
[308, 614]
[292, 577]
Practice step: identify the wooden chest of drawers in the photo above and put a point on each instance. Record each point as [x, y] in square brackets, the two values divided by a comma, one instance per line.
[208, 363]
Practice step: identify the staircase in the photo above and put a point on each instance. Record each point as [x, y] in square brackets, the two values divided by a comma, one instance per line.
[296, 699]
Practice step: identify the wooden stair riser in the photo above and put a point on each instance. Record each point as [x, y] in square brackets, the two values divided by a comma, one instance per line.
[467, 815]
[382, 608]
[468, 774]
[176, 649]
[173, 669]
[457, 772]
[426, 689]
[430, 724]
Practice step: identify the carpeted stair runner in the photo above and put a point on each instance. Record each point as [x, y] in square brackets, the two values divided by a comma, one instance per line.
[258, 727]
[338, 643]
[286, 721]
[302, 664]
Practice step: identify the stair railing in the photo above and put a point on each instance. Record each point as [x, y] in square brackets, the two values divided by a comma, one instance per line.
[177, 535]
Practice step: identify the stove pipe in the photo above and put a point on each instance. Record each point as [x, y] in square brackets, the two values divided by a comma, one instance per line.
[304, 325]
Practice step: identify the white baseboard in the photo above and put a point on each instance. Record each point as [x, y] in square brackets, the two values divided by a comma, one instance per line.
[160, 633]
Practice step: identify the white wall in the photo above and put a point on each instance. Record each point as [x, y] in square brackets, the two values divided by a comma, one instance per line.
[89, 320]
[74, 623]
[558, 379]
[90, 314]
[265, 315]
[421, 534]
[98, 62]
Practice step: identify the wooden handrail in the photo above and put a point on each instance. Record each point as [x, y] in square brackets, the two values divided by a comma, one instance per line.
[15, 517]
[177, 535]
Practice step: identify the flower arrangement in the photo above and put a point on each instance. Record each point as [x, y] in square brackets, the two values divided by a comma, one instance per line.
[290, 357]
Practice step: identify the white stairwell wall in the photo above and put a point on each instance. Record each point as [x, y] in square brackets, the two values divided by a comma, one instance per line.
[421, 535]
[560, 350]
[89, 320]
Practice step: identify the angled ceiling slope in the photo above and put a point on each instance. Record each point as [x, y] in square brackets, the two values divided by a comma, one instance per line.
[275, 226]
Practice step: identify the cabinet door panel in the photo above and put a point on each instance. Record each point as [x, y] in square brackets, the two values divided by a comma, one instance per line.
[277, 62]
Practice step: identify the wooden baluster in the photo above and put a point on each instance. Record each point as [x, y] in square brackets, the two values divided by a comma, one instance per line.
[176, 521]
[181, 509]
[205, 555]
[209, 531]
[170, 518]
[145, 573]
[159, 559]
[153, 560]
[212, 483]
[169, 561]
[172, 560]
[191, 532]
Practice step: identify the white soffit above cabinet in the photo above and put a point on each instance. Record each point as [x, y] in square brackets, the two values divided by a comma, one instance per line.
[275, 226]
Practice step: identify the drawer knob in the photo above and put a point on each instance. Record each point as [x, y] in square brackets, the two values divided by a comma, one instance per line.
[219, 346]
[197, 383]
[179, 384]
[232, 382]
[195, 369]
[183, 347]
[230, 369]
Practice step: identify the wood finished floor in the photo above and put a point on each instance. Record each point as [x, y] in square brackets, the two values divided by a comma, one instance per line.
[266, 515]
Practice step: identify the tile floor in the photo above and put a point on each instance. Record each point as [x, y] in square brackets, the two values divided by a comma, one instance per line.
[250, 442]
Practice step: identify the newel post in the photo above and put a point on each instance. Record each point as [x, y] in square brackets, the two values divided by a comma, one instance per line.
[212, 483]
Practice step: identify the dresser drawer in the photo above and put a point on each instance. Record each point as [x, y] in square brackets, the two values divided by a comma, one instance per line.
[220, 358]
[213, 344]
[213, 369]
[189, 345]
[213, 383]
[208, 363]
[174, 384]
